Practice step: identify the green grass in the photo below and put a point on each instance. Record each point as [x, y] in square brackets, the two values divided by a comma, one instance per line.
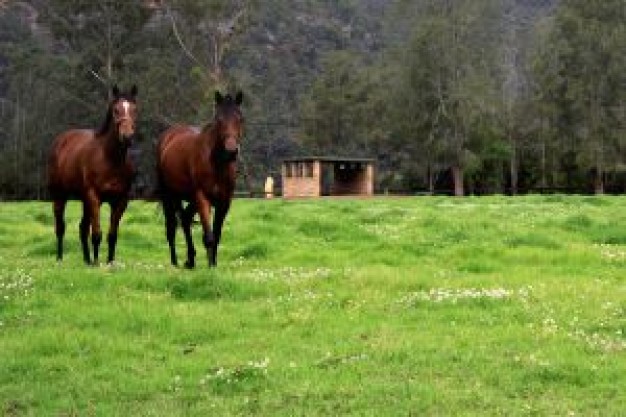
[412, 306]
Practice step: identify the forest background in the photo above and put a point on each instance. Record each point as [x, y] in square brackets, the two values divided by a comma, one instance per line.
[448, 96]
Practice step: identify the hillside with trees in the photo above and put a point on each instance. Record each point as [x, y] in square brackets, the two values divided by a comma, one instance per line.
[449, 96]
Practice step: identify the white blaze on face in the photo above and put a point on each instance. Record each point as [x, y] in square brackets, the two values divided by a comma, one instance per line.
[126, 106]
[125, 121]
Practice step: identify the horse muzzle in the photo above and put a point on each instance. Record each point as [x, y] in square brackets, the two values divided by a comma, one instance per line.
[231, 144]
[231, 156]
[126, 129]
[224, 155]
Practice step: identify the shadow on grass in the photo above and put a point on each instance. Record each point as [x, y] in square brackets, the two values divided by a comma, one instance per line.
[212, 286]
[44, 218]
[532, 240]
[253, 250]
[610, 236]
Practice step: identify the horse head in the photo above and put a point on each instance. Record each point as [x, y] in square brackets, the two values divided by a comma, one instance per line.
[228, 123]
[124, 113]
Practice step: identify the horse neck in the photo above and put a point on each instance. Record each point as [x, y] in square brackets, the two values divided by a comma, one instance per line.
[208, 137]
[207, 140]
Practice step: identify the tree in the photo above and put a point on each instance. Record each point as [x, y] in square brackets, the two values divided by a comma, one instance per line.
[430, 88]
[97, 37]
[336, 112]
[584, 83]
[447, 80]
[28, 104]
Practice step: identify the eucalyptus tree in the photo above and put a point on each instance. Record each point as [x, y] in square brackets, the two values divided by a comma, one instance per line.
[16, 46]
[317, 72]
[344, 111]
[582, 82]
[514, 83]
[447, 82]
[207, 34]
[45, 92]
[99, 39]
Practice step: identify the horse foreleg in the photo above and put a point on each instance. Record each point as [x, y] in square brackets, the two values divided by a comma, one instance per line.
[59, 225]
[218, 221]
[117, 210]
[84, 233]
[94, 215]
[204, 210]
[169, 211]
[186, 219]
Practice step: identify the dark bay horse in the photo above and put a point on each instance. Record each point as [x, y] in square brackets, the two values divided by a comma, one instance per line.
[199, 166]
[93, 166]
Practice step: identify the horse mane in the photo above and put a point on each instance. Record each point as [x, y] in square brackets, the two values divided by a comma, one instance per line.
[108, 119]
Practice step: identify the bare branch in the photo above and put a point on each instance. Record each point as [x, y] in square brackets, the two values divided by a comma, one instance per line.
[99, 77]
[186, 50]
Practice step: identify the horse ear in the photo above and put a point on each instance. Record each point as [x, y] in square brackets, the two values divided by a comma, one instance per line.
[134, 90]
[116, 91]
[218, 97]
[239, 98]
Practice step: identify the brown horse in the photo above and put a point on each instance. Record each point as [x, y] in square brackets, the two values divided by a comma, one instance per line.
[199, 166]
[93, 166]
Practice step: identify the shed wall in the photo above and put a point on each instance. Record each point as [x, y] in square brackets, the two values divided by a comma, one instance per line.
[305, 178]
[302, 186]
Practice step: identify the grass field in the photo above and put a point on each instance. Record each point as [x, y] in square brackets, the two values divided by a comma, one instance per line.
[412, 306]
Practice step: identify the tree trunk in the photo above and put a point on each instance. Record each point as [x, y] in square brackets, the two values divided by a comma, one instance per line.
[513, 168]
[431, 180]
[109, 57]
[598, 181]
[457, 177]
[543, 165]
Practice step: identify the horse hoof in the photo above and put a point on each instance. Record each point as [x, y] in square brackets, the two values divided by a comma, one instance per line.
[190, 265]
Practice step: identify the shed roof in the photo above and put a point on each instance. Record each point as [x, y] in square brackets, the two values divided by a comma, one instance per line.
[333, 159]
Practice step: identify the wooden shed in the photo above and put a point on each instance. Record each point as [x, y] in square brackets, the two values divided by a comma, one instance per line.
[324, 176]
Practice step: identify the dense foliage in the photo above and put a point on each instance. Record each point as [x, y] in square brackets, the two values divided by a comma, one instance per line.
[467, 96]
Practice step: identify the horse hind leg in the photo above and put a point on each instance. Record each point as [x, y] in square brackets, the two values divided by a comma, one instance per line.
[218, 221]
[186, 219]
[91, 219]
[117, 211]
[169, 211]
[96, 238]
[211, 248]
[96, 233]
[59, 225]
[204, 209]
